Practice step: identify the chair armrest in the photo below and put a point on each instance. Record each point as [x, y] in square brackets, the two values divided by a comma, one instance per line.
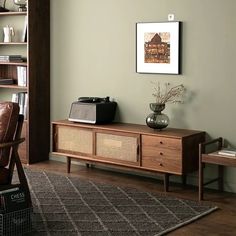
[13, 143]
[202, 146]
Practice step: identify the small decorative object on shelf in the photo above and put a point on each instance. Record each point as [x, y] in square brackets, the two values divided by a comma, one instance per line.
[2, 8]
[22, 4]
[8, 34]
[158, 120]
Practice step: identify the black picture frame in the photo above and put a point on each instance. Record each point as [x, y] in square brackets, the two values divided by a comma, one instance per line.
[158, 47]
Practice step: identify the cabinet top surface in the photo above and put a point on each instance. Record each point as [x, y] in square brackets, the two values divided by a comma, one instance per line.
[133, 128]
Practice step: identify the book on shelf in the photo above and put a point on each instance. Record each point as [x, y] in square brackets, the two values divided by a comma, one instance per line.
[6, 81]
[13, 200]
[14, 97]
[21, 76]
[22, 99]
[25, 107]
[10, 56]
[24, 32]
[227, 152]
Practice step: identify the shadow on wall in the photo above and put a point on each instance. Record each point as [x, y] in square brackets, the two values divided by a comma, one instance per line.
[178, 114]
[177, 118]
[118, 115]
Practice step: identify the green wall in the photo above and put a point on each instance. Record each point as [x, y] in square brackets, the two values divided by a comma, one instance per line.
[93, 54]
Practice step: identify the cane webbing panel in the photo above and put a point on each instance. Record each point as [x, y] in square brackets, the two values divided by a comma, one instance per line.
[116, 147]
[75, 140]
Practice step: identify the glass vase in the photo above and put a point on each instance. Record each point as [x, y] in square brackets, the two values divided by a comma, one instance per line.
[157, 119]
[22, 5]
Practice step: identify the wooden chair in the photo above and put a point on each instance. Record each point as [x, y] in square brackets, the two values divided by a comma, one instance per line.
[10, 137]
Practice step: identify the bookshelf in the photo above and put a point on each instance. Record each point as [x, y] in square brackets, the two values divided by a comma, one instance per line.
[36, 59]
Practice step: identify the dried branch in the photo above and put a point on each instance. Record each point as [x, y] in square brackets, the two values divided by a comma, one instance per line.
[170, 94]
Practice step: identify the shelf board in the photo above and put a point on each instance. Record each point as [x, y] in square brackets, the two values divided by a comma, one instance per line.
[13, 13]
[13, 86]
[14, 43]
[14, 63]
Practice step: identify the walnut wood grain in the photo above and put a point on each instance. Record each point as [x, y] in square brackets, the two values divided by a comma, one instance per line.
[132, 146]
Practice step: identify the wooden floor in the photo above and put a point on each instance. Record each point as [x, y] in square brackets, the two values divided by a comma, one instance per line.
[220, 222]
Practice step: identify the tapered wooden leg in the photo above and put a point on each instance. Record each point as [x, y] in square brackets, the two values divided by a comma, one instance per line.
[184, 180]
[200, 176]
[68, 164]
[166, 182]
[200, 172]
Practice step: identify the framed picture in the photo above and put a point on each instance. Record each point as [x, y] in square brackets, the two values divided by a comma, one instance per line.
[158, 46]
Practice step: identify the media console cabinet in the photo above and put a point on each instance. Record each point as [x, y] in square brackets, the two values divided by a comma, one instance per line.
[130, 146]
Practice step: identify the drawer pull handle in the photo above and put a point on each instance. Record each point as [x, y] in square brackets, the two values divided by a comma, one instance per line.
[161, 153]
[161, 142]
[160, 164]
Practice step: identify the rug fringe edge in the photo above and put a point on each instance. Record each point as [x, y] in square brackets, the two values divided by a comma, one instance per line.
[188, 221]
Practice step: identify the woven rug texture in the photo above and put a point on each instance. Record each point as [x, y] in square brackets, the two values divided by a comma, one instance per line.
[74, 206]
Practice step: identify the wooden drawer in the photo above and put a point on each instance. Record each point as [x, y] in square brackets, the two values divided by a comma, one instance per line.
[162, 154]
[73, 140]
[116, 146]
[154, 142]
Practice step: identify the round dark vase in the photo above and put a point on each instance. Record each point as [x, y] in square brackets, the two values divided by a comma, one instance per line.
[157, 120]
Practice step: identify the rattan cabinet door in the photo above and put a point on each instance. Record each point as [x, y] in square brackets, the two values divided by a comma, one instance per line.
[116, 147]
[73, 140]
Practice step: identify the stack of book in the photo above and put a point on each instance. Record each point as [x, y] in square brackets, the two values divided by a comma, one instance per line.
[4, 81]
[227, 152]
[11, 58]
[22, 99]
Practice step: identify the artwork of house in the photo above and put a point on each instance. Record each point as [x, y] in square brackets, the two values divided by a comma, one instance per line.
[157, 50]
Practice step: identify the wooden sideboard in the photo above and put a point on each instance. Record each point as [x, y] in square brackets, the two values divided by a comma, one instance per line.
[130, 146]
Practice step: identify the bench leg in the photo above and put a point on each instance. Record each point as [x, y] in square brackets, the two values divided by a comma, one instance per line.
[221, 178]
[200, 182]
[68, 164]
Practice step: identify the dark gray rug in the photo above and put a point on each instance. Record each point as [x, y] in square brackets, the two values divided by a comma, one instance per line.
[74, 206]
